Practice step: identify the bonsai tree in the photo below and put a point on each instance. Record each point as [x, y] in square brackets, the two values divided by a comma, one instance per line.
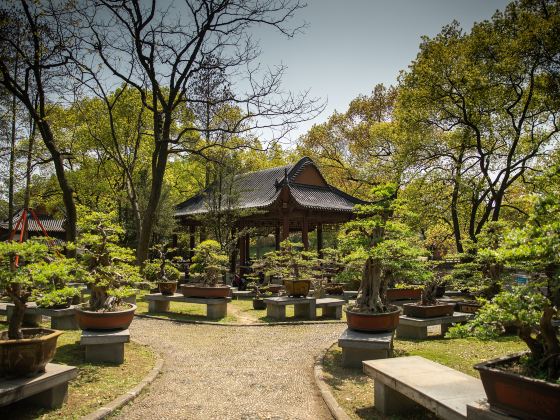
[109, 267]
[531, 313]
[290, 262]
[27, 268]
[481, 268]
[387, 248]
[160, 268]
[209, 263]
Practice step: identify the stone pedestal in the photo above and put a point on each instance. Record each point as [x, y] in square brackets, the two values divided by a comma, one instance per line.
[417, 328]
[105, 346]
[48, 389]
[158, 306]
[330, 307]
[391, 402]
[358, 346]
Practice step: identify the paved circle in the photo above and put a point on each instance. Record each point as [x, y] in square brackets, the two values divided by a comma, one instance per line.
[216, 372]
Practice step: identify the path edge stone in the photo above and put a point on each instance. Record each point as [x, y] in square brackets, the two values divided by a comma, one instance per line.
[128, 396]
[336, 410]
[230, 324]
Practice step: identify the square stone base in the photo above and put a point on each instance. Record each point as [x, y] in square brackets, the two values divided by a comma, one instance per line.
[105, 346]
[359, 346]
[352, 357]
[65, 323]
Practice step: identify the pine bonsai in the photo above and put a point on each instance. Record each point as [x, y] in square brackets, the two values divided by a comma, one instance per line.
[209, 263]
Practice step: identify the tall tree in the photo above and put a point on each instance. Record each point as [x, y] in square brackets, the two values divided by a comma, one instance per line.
[159, 48]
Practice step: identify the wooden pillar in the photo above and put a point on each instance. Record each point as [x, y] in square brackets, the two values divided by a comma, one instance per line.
[285, 227]
[319, 238]
[247, 249]
[277, 238]
[202, 233]
[233, 256]
[305, 234]
[192, 241]
[242, 256]
[174, 241]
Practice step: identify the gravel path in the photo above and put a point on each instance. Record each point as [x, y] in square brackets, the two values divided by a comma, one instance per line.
[215, 372]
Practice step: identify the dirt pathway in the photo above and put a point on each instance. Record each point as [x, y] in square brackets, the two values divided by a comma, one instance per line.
[219, 372]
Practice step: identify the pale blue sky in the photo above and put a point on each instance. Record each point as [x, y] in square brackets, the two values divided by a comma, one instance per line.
[351, 45]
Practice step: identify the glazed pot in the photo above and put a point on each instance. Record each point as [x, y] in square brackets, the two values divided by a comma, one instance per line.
[415, 310]
[404, 294]
[297, 288]
[259, 304]
[517, 395]
[27, 356]
[117, 320]
[380, 322]
[205, 292]
[167, 288]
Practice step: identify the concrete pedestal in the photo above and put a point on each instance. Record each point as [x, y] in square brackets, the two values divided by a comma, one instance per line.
[303, 307]
[391, 402]
[158, 306]
[105, 346]
[48, 389]
[417, 328]
[357, 347]
[330, 307]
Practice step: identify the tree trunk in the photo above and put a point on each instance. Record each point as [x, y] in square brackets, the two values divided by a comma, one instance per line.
[371, 291]
[14, 329]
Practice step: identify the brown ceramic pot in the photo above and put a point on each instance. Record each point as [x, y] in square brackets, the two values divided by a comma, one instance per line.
[517, 395]
[259, 304]
[205, 292]
[415, 310]
[297, 288]
[404, 294]
[118, 320]
[27, 356]
[167, 288]
[386, 321]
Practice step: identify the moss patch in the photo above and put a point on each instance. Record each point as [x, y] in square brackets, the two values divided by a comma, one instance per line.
[354, 391]
[96, 384]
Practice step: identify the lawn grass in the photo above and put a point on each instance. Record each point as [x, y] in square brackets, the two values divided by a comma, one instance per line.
[354, 391]
[96, 384]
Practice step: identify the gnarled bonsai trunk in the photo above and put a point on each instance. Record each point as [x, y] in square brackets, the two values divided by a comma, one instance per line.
[14, 329]
[98, 298]
[371, 295]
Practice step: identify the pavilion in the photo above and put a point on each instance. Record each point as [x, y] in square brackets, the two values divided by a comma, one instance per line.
[292, 198]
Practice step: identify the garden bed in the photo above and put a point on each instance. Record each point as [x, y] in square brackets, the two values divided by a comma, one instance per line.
[96, 384]
[353, 390]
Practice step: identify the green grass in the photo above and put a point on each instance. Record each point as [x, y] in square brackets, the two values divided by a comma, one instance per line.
[96, 384]
[354, 391]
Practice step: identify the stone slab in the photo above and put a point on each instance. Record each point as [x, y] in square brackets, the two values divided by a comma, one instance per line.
[355, 339]
[480, 410]
[104, 337]
[442, 390]
[326, 302]
[286, 300]
[48, 389]
[178, 297]
[242, 294]
[30, 319]
[427, 322]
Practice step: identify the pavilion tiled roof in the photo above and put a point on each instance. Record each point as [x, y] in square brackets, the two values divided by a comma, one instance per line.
[261, 189]
[50, 224]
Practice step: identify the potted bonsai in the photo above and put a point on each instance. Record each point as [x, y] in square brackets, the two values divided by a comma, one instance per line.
[296, 268]
[110, 271]
[388, 250]
[25, 351]
[207, 269]
[429, 307]
[533, 375]
[331, 266]
[161, 271]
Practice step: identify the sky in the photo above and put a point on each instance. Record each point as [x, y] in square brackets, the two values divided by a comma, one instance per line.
[351, 45]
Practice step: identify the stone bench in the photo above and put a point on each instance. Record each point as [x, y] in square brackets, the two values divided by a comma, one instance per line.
[410, 327]
[359, 346]
[303, 307]
[105, 346]
[48, 389]
[403, 383]
[242, 294]
[30, 318]
[330, 307]
[216, 308]
[349, 295]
